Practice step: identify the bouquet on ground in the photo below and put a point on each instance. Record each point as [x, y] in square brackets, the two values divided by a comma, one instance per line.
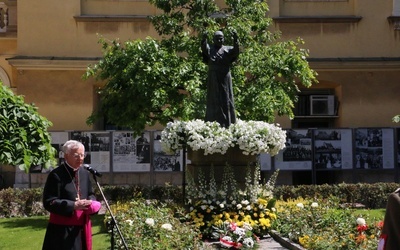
[230, 235]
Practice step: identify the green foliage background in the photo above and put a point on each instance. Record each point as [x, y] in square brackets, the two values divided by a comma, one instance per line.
[159, 80]
[24, 139]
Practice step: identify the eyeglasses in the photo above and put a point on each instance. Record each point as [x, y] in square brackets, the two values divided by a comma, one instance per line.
[76, 155]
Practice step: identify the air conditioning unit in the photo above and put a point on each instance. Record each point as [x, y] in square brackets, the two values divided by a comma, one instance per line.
[322, 105]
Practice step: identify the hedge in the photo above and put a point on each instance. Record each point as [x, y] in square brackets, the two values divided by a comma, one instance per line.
[28, 202]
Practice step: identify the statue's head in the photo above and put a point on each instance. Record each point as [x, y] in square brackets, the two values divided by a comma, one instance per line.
[218, 38]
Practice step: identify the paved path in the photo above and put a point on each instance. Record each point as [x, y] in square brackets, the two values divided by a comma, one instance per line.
[267, 243]
[270, 244]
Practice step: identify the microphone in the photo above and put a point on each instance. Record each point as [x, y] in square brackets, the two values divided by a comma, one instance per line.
[92, 170]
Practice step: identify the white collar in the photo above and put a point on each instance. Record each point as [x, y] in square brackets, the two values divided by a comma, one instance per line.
[66, 163]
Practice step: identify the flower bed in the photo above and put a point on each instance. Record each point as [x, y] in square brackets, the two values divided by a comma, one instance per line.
[212, 206]
[324, 225]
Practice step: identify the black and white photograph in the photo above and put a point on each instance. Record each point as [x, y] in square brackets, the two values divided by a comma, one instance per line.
[297, 155]
[332, 149]
[131, 153]
[97, 148]
[163, 161]
[374, 148]
[57, 141]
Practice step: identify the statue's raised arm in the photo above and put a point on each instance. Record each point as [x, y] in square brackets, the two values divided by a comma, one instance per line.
[219, 58]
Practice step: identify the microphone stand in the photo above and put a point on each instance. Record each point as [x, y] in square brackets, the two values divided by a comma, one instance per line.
[113, 222]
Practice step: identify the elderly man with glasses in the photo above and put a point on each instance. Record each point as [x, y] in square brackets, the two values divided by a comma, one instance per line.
[69, 197]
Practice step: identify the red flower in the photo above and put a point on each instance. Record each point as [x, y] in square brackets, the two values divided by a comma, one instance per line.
[379, 225]
[362, 228]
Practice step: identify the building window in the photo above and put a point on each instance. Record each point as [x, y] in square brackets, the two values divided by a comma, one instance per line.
[315, 109]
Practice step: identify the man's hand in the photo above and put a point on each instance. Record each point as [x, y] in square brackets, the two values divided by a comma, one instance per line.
[82, 204]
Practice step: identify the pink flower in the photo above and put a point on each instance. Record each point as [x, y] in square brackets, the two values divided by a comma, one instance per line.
[232, 226]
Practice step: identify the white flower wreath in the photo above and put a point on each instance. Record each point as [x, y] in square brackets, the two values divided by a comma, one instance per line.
[252, 137]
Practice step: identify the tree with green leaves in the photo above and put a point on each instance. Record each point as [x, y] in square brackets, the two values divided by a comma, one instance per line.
[159, 80]
[24, 139]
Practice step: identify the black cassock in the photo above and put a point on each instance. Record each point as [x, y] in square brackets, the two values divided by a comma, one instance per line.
[220, 103]
[59, 196]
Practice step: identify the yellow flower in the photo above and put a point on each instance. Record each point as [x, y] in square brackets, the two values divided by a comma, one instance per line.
[304, 241]
[262, 201]
[271, 215]
[265, 222]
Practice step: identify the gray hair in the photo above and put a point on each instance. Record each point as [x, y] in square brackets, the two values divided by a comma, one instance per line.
[71, 144]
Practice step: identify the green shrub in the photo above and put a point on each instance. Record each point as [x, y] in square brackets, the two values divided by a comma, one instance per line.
[370, 195]
[151, 225]
[21, 202]
[126, 193]
[27, 202]
[321, 225]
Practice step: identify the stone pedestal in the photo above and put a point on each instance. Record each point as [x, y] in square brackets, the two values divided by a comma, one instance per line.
[233, 157]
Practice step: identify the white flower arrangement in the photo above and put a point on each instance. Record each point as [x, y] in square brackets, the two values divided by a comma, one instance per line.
[252, 137]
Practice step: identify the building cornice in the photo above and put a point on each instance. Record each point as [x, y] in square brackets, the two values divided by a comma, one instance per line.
[320, 64]
[52, 63]
[317, 19]
[355, 64]
[111, 18]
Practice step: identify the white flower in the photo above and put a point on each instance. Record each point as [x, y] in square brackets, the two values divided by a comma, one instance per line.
[248, 207]
[227, 238]
[221, 205]
[130, 222]
[239, 231]
[149, 221]
[248, 242]
[167, 226]
[245, 202]
[314, 205]
[300, 205]
[360, 221]
[239, 206]
[247, 226]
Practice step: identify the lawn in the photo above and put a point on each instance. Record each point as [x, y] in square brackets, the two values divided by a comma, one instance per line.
[373, 213]
[28, 233]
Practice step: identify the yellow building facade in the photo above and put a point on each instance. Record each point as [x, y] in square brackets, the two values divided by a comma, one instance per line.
[354, 45]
